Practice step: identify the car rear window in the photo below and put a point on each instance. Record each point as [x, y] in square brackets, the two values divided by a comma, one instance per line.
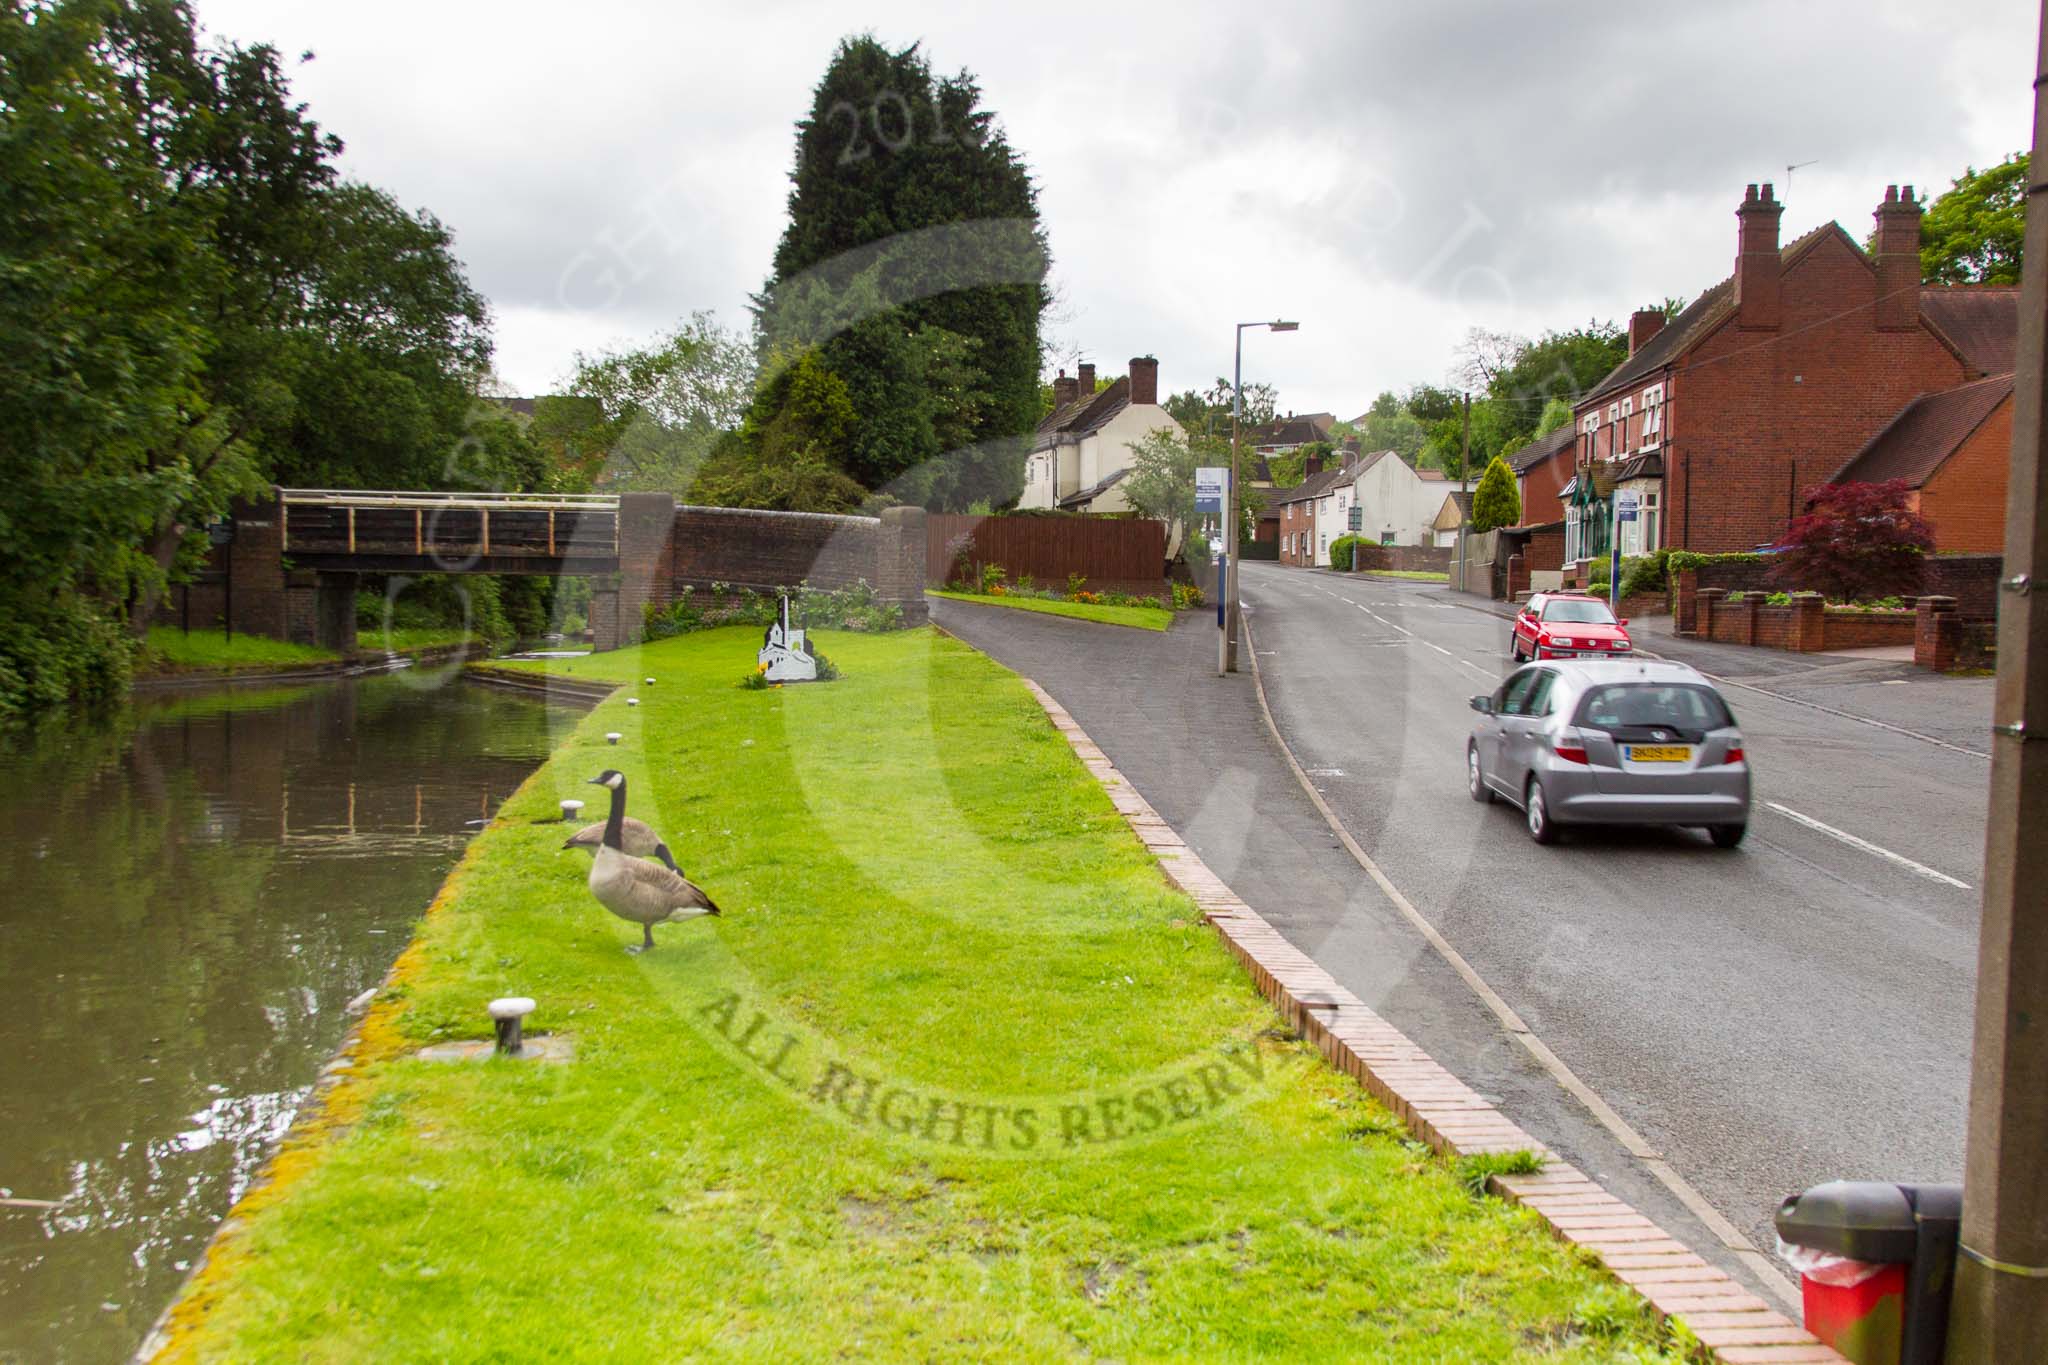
[1636, 705]
[1578, 611]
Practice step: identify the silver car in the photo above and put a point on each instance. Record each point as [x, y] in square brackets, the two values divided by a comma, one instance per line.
[1611, 742]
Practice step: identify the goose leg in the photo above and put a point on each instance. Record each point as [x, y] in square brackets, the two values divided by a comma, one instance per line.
[646, 937]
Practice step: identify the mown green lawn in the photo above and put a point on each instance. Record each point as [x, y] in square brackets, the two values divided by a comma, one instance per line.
[1144, 618]
[172, 650]
[955, 1076]
[1419, 575]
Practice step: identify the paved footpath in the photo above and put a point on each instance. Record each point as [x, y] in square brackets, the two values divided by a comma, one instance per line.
[1197, 747]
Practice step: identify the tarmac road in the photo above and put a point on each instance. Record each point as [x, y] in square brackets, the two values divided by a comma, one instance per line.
[1792, 1011]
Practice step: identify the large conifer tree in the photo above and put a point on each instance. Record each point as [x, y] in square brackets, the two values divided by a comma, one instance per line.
[914, 263]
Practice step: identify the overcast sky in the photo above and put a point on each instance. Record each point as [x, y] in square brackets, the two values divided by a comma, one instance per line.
[1389, 173]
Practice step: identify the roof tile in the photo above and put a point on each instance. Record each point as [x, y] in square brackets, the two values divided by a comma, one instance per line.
[1925, 434]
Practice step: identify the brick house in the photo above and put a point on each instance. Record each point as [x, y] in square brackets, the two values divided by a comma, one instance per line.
[1954, 449]
[1081, 452]
[1542, 468]
[1771, 381]
[1304, 536]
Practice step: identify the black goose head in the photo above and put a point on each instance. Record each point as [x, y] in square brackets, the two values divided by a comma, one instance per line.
[610, 777]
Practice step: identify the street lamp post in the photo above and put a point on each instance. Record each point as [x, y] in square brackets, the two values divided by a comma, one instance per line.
[1226, 648]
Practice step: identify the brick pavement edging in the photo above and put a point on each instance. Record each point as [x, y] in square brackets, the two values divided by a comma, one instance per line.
[1736, 1326]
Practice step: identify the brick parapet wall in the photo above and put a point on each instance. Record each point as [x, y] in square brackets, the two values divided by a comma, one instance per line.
[1402, 558]
[665, 549]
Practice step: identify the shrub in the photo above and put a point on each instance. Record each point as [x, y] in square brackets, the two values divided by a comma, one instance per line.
[1496, 502]
[1075, 582]
[1778, 599]
[991, 578]
[66, 649]
[1186, 597]
[1856, 540]
[1678, 561]
[1344, 552]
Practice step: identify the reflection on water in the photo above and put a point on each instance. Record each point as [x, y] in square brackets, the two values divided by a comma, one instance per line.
[194, 891]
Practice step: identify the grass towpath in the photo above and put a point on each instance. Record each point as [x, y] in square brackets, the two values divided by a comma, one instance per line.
[1143, 618]
[171, 650]
[956, 1075]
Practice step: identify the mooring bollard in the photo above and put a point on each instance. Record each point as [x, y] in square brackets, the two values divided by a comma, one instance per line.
[650, 682]
[612, 736]
[506, 1016]
[632, 701]
[571, 809]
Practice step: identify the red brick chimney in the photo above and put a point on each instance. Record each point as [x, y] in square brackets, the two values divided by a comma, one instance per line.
[1086, 383]
[1144, 381]
[1064, 390]
[1757, 262]
[1311, 466]
[1643, 324]
[1898, 260]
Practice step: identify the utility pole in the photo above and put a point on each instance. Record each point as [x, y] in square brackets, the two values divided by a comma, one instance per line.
[1465, 514]
[2000, 1311]
[1226, 581]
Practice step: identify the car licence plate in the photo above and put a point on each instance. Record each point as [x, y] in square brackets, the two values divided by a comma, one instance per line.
[1657, 753]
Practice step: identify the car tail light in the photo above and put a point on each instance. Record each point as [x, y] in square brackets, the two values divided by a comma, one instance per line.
[1734, 754]
[1571, 747]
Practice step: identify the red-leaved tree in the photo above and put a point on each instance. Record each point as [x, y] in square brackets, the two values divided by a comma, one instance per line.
[1855, 541]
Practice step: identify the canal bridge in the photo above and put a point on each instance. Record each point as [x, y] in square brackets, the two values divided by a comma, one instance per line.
[287, 566]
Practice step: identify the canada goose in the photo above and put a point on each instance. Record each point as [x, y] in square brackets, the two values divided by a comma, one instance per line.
[637, 837]
[637, 891]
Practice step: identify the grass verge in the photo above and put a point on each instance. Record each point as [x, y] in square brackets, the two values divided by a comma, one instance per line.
[1144, 618]
[171, 650]
[956, 1075]
[1418, 575]
[412, 639]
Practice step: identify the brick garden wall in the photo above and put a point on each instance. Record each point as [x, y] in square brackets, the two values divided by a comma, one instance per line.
[1808, 625]
[1403, 558]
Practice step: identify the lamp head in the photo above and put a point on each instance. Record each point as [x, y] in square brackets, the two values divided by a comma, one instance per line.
[1284, 326]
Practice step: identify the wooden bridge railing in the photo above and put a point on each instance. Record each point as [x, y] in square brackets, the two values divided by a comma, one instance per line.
[455, 530]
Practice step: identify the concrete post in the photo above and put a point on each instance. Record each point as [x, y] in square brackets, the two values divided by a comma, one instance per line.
[2001, 1298]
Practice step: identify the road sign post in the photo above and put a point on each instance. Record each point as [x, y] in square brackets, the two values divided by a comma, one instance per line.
[1626, 506]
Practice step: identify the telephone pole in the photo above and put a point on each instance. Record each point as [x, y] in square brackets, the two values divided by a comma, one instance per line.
[2000, 1312]
[1465, 516]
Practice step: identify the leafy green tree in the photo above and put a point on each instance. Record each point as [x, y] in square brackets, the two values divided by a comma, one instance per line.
[1496, 502]
[1556, 413]
[649, 417]
[914, 262]
[1974, 234]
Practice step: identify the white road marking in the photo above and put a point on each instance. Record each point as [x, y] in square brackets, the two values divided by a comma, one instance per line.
[1439, 649]
[1481, 671]
[1852, 841]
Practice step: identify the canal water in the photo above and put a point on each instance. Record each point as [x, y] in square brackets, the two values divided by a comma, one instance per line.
[194, 891]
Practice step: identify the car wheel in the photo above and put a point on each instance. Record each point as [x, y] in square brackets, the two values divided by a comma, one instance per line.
[1515, 652]
[1726, 836]
[1536, 811]
[1475, 780]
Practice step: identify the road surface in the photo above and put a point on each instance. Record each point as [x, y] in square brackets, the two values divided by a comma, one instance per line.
[1789, 1012]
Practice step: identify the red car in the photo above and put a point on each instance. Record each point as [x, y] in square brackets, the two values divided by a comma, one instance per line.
[1568, 625]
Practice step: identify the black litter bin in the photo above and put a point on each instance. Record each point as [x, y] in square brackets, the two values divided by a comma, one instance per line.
[1877, 1266]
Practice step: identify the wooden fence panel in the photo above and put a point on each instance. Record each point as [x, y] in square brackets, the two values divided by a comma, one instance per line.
[1119, 555]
